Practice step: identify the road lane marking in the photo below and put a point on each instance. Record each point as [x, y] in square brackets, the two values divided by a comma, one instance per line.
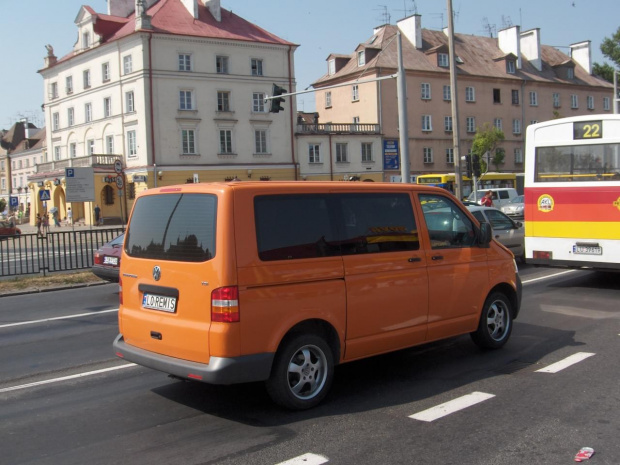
[568, 361]
[452, 406]
[65, 378]
[306, 459]
[67, 317]
[548, 276]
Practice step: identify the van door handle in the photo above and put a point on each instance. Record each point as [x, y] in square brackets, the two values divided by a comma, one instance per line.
[414, 259]
[437, 257]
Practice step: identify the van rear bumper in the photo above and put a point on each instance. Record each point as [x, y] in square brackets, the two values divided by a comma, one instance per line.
[244, 369]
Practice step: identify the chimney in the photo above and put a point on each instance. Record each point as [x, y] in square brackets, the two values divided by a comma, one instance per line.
[411, 27]
[509, 42]
[124, 8]
[530, 47]
[214, 8]
[143, 21]
[581, 53]
[192, 7]
[50, 59]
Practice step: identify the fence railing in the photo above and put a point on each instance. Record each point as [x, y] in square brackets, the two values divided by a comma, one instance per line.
[30, 254]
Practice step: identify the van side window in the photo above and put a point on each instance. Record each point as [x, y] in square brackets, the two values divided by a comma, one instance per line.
[373, 223]
[448, 226]
[499, 221]
[294, 226]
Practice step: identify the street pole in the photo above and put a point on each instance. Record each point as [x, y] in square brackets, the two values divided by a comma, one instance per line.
[458, 188]
[403, 124]
[616, 97]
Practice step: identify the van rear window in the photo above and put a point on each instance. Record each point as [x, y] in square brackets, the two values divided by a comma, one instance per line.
[179, 227]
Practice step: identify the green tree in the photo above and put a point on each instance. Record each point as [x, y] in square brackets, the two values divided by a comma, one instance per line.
[611, 49]
[498, 158]
[486, 140]
[2, 205]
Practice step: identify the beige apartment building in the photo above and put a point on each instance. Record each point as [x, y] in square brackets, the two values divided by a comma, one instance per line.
[510, 82]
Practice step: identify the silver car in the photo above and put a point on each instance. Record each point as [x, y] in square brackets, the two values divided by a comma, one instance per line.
[508, 232]
[515, 207]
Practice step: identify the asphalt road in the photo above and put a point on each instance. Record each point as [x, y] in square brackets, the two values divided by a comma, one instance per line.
[66, 399]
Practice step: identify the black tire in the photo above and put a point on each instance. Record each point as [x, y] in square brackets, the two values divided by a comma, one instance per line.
[495, 324]
[302, 372]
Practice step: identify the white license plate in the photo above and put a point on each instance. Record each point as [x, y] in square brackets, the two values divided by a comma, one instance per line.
[159, 302]
[110, 261]
[587, 250]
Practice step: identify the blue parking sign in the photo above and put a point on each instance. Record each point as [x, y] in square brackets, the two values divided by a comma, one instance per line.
[13, 202]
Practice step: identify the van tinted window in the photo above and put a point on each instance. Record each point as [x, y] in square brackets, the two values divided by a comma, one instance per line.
[448, 225]
[173, 227]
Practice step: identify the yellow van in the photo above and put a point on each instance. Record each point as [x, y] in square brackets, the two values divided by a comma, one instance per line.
[280, 281]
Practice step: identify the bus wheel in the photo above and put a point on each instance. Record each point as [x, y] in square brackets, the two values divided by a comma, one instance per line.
[302, 372]
[495, 323]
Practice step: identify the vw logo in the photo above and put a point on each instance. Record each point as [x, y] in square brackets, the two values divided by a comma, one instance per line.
[156, 273]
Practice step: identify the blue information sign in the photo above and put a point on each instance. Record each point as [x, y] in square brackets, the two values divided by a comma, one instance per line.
[44, 194]
[391, 157]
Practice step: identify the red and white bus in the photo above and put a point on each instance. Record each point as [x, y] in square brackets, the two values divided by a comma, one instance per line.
[572, 192]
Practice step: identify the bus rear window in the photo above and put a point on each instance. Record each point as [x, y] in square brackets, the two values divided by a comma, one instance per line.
[578, 163]
[178, 227]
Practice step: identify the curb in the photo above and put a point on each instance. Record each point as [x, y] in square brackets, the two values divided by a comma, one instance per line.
[38, 290]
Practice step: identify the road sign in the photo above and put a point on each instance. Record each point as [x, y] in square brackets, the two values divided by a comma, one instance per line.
[44, 195]
[80, 184]
[118, 166]
[119, 182]
[13, 201]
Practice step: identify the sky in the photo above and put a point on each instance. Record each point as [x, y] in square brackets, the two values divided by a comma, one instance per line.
[319, 27]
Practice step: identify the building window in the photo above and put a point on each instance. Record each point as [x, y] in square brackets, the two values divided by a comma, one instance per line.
[56, 121]
[258, 102]
[221, 64]
[226, 141]
[515, 96]
[56, 153]
[426, 91]
[107, 107]
[223, 101]
[328, 99]
[570, 73]
[556, 100]
[257, 67]
[518, 156]
[85, 39]
[73, 150]
[361, 58]
[428, 155]
[314, 153]
[366, 151]
[260, 141]
[86, 78]
[574, 101]
[355, 96]
[590, 102]
[88, 112]
[341, 153]
[427, 123]
[470, 94]
[331, 67]
[606, 105]
[447, 123]
[53, 90]
[497, 96]
[497, 122]
[450, 156]
[105, 72]
[127, 64]
[447, 93]
[109, 144]
[129, 102]
[188, 141]
[70, 117]
[90, 145]
[185, 62]
[132, 145]
[69, 84]
[442, 60]
[186, 100]
[471, 124]
[516, 126]
[533, 99]
[510, 67]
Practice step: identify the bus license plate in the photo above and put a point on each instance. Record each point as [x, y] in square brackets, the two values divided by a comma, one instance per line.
[587, 250]
[159, 302]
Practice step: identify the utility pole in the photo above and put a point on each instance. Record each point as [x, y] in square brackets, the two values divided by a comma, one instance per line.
[455, 108]
[616, 96]
[403, 124]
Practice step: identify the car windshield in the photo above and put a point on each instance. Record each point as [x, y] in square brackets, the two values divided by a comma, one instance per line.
[517, 199]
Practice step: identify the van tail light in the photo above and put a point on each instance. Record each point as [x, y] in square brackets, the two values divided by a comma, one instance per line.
[225, 304]
[120, 290]
[542, 254]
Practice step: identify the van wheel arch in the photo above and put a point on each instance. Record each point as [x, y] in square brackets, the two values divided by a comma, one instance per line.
[321, 328]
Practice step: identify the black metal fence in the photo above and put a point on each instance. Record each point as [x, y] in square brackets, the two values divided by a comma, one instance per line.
[55, 251]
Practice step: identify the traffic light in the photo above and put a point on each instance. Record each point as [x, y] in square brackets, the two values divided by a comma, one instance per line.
[475, 165]
[276, 103]
[468, 165]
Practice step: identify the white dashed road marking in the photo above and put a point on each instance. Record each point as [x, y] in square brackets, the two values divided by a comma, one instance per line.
[67, 317]
[306, 459]
[568, 361]
[452, 406]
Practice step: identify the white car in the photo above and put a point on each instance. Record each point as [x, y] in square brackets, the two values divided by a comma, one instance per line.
[508, 232]
[515, 207]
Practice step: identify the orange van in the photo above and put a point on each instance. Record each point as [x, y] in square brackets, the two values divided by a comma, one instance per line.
[280, 281]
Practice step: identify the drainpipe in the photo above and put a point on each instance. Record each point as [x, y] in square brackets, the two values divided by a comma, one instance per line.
[151, 105]
[331, 158]
[291, 115]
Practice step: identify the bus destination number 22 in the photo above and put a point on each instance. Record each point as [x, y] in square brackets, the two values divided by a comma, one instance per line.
[588, 130]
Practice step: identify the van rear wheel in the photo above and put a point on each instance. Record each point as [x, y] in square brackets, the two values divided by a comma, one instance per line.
[302, 373]
[495, 323]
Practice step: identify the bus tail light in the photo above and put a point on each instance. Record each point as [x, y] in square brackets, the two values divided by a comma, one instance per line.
[225, 304]
[543, 254]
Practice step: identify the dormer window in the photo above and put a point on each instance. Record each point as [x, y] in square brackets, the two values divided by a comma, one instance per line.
[85, 39]
[510, 67]
[331, 67]
[361, 58]
[570, 73]
[442, 60]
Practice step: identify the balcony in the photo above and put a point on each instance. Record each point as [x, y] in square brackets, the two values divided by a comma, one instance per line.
[338, 128]
[89, 160]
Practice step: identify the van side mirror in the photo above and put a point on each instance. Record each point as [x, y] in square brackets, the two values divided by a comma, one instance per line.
[486, 233]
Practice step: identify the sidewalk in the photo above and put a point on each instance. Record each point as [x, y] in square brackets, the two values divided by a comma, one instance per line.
[30, 229]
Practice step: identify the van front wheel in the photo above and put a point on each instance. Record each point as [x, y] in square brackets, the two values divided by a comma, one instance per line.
[495, 323]
[302, 372]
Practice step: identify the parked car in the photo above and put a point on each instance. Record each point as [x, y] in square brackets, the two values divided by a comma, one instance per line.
[515, 207]
[108, 259]
[508, 232]
[8, 229]
[500, 195]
